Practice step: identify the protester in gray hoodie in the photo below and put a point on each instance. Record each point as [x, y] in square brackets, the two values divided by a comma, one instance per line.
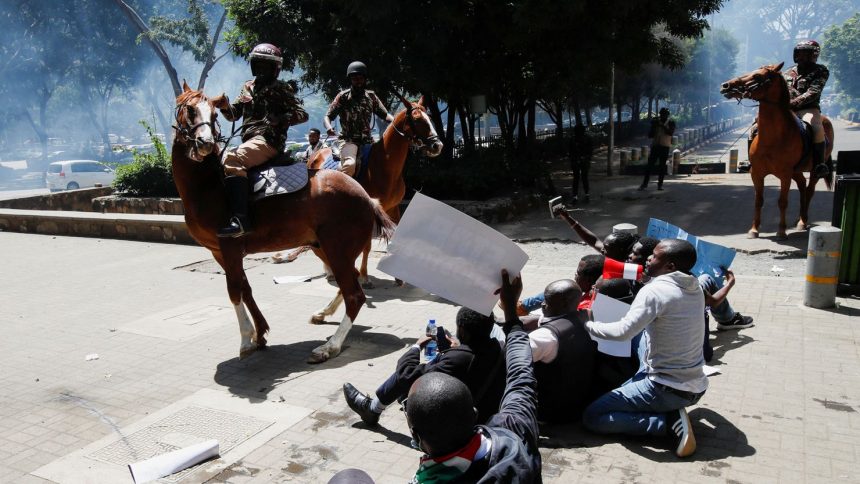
[670, 309]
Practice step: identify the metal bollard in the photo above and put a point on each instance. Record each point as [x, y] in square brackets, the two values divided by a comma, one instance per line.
[625, 227]
[733, 161]
[822, 267]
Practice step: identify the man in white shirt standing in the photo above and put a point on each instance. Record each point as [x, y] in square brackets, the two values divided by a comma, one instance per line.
[670, 308]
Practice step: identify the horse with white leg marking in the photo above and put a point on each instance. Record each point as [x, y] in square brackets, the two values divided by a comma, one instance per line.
[332, 213]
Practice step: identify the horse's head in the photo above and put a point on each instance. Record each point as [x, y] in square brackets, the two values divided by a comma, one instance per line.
[756, 85]
[418, 127]
[196, 124]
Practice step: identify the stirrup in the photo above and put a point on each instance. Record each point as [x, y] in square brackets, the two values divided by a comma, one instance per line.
[233, 229]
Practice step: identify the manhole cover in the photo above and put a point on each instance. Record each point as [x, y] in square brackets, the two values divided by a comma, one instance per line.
[187, 426]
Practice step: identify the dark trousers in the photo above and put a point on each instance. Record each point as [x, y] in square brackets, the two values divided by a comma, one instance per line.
[659, 155]
[580, 172]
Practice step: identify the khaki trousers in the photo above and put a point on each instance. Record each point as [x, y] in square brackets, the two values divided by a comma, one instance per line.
[813, 117]
[249, 154]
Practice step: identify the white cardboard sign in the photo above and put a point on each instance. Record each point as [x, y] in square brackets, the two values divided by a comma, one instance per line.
[608, 310]
[446, 252]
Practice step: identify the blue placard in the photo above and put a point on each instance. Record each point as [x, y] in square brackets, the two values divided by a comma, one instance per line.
[710, 257]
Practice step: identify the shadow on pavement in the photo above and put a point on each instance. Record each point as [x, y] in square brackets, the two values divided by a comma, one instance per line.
[727, 341]
[263, 371]
[389, 434]
[716, 438]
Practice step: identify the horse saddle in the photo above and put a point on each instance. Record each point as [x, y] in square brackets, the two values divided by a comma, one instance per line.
[279, 176]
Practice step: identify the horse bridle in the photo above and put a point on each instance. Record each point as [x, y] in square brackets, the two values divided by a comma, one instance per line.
[187, 130]
[419, 141]
[745, 90]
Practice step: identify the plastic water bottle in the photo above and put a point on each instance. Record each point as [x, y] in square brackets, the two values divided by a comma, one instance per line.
[430, 351]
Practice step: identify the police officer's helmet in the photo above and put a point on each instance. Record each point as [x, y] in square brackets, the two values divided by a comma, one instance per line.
[356, 67]
[809, 46]
[266, 52]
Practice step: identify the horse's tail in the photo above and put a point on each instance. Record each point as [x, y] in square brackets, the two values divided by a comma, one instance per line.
[383, 226]
[828, 180]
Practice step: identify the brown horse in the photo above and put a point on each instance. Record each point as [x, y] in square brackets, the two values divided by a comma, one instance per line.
[384, 178]
[332, 214]
[778, 148]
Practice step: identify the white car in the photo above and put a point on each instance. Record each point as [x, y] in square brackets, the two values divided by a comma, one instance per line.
[74, 174]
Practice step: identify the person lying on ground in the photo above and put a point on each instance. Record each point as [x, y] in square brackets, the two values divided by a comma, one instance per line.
[442, 419]
[477, 361]
[563, 355]
[616, 245]
[670, 308]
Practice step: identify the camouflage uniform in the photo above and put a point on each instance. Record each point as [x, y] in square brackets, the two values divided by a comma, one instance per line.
[356, 115]
[267, 115]
[805, 92]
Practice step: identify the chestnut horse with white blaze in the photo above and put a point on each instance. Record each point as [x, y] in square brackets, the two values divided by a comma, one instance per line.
[383, 179]
[332, 214]
[778, 148]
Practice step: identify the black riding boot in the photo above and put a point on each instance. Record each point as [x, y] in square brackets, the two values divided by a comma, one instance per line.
[820, 168]
[237, 203]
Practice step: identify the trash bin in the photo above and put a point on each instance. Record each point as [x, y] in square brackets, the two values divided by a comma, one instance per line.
[847, 197]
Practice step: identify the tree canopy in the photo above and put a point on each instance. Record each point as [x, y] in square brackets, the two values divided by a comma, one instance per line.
[841, 50]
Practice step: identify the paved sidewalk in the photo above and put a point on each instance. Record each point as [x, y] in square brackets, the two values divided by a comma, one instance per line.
[783, 410]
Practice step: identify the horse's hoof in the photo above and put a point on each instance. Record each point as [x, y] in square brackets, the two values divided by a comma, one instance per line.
[318, 318]
[322, 354]
[246, 352]
[752, 235]
[802, 226]
[278, 259]
[367, 285]
[781, 236]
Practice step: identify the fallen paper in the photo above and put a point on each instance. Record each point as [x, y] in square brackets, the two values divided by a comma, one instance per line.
[91, 357]
[450, 254]
[710, 370]
[608, 310]
[172, 462]
[291, 279]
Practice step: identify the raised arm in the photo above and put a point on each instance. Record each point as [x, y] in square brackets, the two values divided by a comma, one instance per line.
[586, 235]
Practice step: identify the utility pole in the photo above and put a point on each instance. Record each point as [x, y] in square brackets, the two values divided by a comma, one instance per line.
[611, 120]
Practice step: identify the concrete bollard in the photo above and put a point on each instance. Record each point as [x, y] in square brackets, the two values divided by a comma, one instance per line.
[634, 154]
[675, 140]
[733, 160]
[676, 161]
[624, 157]
[822, 267]
[646, 150]
[625, 227]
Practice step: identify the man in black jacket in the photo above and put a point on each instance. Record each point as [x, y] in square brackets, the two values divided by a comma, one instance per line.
[442, 421]
[478, 361]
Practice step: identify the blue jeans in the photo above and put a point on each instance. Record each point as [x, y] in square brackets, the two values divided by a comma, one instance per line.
[724, 312]
[637, 407]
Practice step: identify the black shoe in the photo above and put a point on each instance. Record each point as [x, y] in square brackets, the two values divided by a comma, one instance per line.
[739, 321]
[236, 188]
[642, 187]
[681, 429]
[360, 404]
[660, 188]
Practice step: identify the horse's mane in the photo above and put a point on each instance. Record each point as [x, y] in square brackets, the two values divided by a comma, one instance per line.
[189, 96]
[783, 86]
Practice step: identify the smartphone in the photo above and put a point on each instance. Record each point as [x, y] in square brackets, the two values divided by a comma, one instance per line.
[442, 342]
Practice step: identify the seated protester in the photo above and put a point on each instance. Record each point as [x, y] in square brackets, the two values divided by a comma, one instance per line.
[616, 245]
[670, 308]
[478, 361]
[615, 288]
[441, 418]
[563, 355]
[718, 304]
[589, 270]
[639, 254]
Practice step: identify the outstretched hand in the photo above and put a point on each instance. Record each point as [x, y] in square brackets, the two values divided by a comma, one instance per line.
[730, 276]
[510, 291]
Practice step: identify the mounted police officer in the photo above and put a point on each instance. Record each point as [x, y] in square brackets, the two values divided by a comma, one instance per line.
[805, 82]
[355, 107]
[268, 107]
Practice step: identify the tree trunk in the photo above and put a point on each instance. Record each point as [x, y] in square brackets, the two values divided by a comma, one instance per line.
[448, 150]
[588, 120]
[530, 128]
[559, 121]
[210, 54]
[578, 111]
[650, 106]
[143, 29]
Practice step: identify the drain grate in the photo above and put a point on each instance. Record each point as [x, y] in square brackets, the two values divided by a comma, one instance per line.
[188, 426]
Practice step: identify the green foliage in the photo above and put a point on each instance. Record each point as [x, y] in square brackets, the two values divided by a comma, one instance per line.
[841, 50]
[150, 174]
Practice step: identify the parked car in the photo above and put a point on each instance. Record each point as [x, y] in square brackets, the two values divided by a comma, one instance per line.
[74, 174]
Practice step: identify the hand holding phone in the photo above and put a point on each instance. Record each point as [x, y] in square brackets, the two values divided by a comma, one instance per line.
[442, 339]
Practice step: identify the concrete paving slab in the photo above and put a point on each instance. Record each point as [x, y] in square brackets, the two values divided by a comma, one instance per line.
[238, 424]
